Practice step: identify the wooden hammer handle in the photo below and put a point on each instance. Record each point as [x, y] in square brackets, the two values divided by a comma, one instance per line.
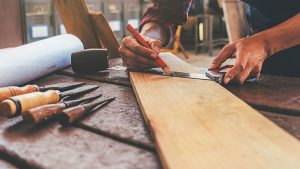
[15, 105]
[6, 92]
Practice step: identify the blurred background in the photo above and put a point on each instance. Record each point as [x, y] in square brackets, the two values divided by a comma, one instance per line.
[211, 25]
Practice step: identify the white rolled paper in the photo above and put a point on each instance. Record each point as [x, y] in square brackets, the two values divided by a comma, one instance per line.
[23, 64]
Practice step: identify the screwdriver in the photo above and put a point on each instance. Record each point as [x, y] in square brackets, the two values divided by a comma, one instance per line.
[43, 113]
[6, 92]
[16, 105]
[70, 115]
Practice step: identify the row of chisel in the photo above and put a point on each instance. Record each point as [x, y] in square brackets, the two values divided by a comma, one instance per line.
[37, 104]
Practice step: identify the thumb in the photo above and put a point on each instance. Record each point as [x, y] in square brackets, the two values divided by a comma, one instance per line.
[155, 44]
[225, 53]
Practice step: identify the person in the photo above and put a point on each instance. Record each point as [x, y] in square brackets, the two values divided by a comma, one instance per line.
[273, 47]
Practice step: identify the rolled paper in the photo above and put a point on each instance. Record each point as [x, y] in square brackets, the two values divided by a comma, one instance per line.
[26, 63]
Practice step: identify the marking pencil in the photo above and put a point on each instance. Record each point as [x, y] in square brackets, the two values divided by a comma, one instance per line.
[141, 40]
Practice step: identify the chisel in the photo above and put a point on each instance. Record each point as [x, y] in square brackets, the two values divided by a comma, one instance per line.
[6, 92]
[72, 114]
[16, 105]
[43, 113]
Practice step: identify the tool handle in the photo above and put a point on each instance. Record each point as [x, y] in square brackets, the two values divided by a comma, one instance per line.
[40, 114]
[16, 105]
[72, 114]
[6, 92]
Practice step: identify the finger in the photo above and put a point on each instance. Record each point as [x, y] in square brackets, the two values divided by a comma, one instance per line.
[225, 53]
[256, 72]
[242, 76]
[155, 44]
[135, 65]
[129, 56]
[239, 66]
[135, 47]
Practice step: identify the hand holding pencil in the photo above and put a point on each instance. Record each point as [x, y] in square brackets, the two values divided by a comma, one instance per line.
[141, 52]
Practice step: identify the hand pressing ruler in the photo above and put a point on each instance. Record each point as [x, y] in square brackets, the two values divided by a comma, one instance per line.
[199, 124]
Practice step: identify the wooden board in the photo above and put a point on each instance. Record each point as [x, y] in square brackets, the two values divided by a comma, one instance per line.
[51, 146]
[105, 34]
[271, 93]
[121, 120]
[11, 25]
[75, 16]
[291, 124]
[199, 124]
[235, 19]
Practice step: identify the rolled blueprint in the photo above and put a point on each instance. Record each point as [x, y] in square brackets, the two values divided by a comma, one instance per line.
[23, 64]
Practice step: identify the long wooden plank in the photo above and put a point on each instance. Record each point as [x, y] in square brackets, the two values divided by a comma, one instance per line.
[105, 34]
[199, 124]
[75, 16]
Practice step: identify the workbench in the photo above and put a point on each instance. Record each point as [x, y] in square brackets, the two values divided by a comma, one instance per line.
[116, 136]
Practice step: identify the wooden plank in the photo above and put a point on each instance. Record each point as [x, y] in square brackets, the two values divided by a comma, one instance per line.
[121, 120]
[105, 34]
[11, 27]
[106, 76]
[6, 165]
[75, 16]
[235, 19]
[291, 124]
[272, 93]
[50, 146]
[199, 124]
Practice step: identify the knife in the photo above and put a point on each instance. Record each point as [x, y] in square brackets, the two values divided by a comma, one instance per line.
[16, 105]
[6, 92]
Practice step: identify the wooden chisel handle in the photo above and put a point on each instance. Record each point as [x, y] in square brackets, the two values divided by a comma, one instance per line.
[72, 114]
[14, 106]
[6, 92]
[40, 114]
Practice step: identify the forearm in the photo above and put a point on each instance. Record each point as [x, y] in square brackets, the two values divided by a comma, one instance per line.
[282, 36]
[154, 31]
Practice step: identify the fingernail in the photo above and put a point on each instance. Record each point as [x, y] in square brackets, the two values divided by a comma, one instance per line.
[156, 49]
[226, 80]
[154, 55]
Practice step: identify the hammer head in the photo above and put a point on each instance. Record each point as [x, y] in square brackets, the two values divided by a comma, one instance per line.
[89, 60]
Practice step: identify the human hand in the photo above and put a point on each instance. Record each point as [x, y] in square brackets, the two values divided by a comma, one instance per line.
[250, 54]
[137, 57]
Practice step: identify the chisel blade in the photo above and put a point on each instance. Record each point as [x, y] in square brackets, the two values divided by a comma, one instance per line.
[61, 86]
[82, 100]
[79, 91]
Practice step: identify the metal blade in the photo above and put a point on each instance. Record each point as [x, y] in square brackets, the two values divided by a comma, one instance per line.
[179, 74]
[61, 86]
[80, 101]
[79, 91]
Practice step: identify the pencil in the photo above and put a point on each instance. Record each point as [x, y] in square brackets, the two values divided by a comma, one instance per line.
[141, 41]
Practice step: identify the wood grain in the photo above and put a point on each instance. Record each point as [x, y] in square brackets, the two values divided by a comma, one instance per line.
[9, 108]
[271, 93]
[75, 16]
[199, 124]
[49, 146]
[11, 91]
[105, 34]
[11, 25]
